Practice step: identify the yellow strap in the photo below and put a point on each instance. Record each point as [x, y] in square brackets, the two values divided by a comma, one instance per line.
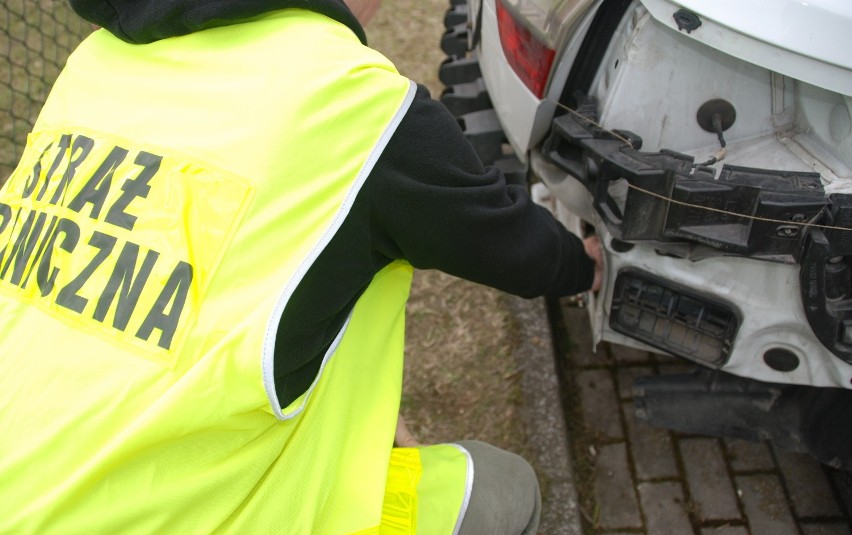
[399, 510]
[426, 492]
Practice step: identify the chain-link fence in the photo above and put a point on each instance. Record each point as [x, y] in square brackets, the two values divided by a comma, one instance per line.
[36, 37]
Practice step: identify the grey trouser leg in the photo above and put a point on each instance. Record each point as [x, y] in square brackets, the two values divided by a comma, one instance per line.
[505, 499]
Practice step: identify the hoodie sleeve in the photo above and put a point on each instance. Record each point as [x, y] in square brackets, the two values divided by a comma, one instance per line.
[433, 203]
[428, 200]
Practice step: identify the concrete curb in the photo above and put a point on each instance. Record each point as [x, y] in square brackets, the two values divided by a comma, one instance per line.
[542, 410]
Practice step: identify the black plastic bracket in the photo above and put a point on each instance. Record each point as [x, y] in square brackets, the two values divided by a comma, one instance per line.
[816, 421]
[665, 196]
[826, 278]
[673, 318]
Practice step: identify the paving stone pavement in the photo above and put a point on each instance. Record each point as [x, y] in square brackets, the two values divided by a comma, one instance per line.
[634, 478]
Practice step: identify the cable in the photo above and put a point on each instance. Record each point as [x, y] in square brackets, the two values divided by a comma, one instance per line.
[720, 154]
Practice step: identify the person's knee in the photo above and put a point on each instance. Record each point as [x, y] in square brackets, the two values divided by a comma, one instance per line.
[505, 496]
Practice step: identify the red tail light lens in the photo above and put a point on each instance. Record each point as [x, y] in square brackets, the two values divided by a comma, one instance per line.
[529, 57]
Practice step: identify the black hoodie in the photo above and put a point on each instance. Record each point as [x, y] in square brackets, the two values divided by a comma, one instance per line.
[428, 200]
[145, 21]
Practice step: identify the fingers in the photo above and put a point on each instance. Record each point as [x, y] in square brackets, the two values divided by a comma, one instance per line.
[404, 438]
[593, 249]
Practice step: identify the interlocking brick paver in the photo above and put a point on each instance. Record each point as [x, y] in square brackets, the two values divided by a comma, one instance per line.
[601, 410]
[625, 377]
[650, 480]
[582, 348]
[707, 477]
[837, 528]
[651, 447]
[624, 354]
[747, 456]
[664, 508]
[765, 504]
[676, 367]
[807, 485]
[725, 530]
[614, 489]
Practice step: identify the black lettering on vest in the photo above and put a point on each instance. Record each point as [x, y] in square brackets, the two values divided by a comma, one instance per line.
[48, 234]
[21, 252]
[32, 180]
[97, 187]
[174, 292]
[137, 187]
[79, 150]
[126, 283]
[6, 214]
[64, 143]
[11, 231]
[46, 277]
[68, 296]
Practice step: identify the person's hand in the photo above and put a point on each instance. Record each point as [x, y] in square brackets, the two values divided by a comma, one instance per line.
[403, 438]
[593, 250]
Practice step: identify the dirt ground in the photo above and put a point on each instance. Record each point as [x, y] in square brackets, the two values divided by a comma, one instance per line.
[460, 381]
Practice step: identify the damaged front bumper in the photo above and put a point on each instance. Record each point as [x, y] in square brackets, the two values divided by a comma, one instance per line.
[745, 270]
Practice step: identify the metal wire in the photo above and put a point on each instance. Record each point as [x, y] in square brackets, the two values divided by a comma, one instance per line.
[718, 156]
[36, 37]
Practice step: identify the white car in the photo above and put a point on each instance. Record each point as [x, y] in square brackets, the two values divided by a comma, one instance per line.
[708, 143]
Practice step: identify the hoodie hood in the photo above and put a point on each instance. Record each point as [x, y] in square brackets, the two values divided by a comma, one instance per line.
[146, 21]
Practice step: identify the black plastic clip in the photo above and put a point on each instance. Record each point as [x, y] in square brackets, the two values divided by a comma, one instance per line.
[686, 20]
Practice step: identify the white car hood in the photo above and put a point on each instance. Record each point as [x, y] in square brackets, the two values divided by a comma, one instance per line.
[806, 39]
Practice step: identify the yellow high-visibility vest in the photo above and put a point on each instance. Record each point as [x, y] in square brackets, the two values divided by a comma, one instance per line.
[169, 201]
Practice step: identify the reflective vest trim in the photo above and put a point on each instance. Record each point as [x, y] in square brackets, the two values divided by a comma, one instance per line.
[293, 283]
[468, 488]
